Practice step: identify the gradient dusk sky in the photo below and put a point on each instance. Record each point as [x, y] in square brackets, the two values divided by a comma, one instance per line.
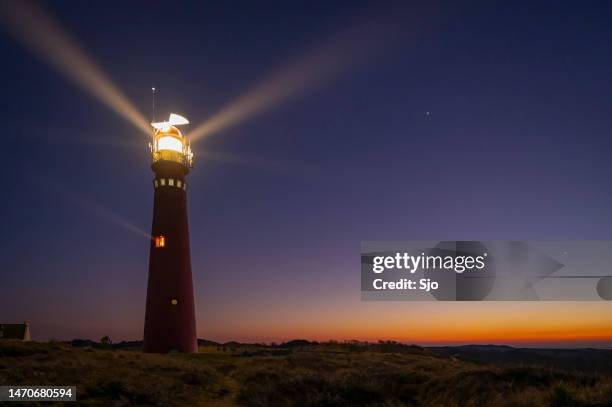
[371, 121]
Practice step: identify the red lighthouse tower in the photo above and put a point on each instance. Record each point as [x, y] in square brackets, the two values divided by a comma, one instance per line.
[170, 312]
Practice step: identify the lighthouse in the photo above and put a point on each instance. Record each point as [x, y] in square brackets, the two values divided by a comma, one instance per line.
[170, 311]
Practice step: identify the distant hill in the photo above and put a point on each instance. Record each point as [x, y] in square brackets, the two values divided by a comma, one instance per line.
[296, 343]
[587, 360]
[206, 342]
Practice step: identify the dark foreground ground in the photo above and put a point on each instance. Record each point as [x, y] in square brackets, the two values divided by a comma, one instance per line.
[303, 374]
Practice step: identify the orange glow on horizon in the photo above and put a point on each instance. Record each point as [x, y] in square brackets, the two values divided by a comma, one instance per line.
[520, 323]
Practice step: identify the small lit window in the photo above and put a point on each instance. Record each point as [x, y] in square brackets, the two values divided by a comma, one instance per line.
[174, 301]
[162, 181]
[178, 183]
[185, 186]
[171, 182]
[156, 184]
[160, 241]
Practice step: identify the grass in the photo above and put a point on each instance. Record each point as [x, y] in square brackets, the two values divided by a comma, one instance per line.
[319, 375]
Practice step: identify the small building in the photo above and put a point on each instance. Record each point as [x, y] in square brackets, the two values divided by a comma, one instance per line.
[15, 332]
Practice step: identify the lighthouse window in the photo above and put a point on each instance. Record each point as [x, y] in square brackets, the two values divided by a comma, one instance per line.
[160, 241]
[171, 182]
[178, 183]
[162, 182]
[174, 301]
[156, 184]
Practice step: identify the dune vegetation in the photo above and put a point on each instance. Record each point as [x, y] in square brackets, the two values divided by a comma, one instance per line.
[297, 373]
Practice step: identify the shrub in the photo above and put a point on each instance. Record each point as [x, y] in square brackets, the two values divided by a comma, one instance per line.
[198, 378]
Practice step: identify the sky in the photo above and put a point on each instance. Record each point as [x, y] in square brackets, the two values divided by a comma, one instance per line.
[325, 124]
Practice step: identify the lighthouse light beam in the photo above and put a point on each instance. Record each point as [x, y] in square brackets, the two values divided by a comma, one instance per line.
[41, 33]
[349, 47]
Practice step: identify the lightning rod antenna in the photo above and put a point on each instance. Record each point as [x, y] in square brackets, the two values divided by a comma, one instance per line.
[153, 94]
